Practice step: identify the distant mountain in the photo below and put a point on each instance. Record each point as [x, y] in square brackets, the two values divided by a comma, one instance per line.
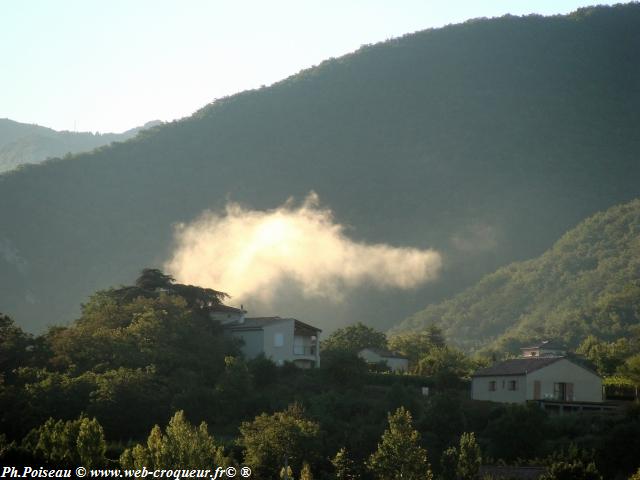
[485, 140]
[587, 283]
[22, 143]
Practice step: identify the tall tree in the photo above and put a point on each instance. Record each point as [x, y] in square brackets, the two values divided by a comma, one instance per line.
[399, 455]
[181, 446]
[469, 457]
[345, 467]
[269, 438]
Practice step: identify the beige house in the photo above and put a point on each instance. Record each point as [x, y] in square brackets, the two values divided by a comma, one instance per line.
[395, 361]
[540, 378]
[279, 339]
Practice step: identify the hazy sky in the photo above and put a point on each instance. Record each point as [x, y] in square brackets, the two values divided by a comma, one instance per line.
[112, 65]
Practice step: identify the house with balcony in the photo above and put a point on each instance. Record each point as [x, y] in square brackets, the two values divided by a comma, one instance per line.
[549, 378]
[279, 339]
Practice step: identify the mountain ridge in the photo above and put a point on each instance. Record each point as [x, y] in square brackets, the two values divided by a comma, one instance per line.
[23, 143]
[479, 140]
[587, 283]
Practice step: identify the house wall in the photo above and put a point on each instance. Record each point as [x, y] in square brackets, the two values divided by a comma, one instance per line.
[480, 389]
[397, 364]
[253, 342]
[227, 317]
[370, 356]
[284, 353]
[587, 386]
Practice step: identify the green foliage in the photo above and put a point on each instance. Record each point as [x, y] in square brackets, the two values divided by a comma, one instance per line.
[631, 369]
[505, 432]
[181, 446]
[607, 357]
[354, 338]
[70, 443]
[399, 454]
[416, 345]
[449, 464]
[572, 471]
[469, 457]
[90, 444]
[136, 354]
[345, 468]
[635, 476]
[586, 284]
[232, 389]
[268, 438]
[13, 347]
[286, 473]
[162, 331]
[446, 364]
[343, 368]
[263, 371]
[305, 473]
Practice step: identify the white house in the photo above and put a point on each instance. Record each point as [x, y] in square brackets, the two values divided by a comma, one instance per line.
[395, 361]
[537, 377]
[279, 339]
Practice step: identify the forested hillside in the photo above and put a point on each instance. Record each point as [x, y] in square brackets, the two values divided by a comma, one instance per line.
[588, 283]
[22, 143]
[486, 140]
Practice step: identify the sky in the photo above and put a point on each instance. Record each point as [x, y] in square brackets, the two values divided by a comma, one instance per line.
[107, 66]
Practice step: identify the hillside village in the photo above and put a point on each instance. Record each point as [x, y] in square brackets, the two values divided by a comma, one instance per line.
[543, 374]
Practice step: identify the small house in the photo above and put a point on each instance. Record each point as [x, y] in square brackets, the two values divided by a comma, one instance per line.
[393, 360]
[537, 376]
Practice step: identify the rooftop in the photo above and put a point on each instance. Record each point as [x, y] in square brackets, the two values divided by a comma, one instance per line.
[227, 308]
[516, 366]
[261, 322]
[385, 353]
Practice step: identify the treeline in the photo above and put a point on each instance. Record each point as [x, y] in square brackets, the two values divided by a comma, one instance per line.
[101, 391]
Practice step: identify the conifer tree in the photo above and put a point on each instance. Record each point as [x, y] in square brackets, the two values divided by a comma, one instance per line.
[399, 455]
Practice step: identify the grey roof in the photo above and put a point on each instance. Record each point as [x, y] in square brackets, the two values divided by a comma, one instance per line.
[516, 366]
[260, 322]
[548, 344]
[385, 353]
[226, 308]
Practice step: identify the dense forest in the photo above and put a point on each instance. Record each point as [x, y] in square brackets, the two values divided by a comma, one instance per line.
[22, 143]
[485, 140]
[587, 286]
[145, 378]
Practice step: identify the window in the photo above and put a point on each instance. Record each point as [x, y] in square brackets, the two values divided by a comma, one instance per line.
[278, 340]
[492, 386]
[512, 385]
[563, 391]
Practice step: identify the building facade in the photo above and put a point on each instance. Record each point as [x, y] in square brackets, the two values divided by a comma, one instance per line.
[279, 339]
[539, 378]
[393, 360]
